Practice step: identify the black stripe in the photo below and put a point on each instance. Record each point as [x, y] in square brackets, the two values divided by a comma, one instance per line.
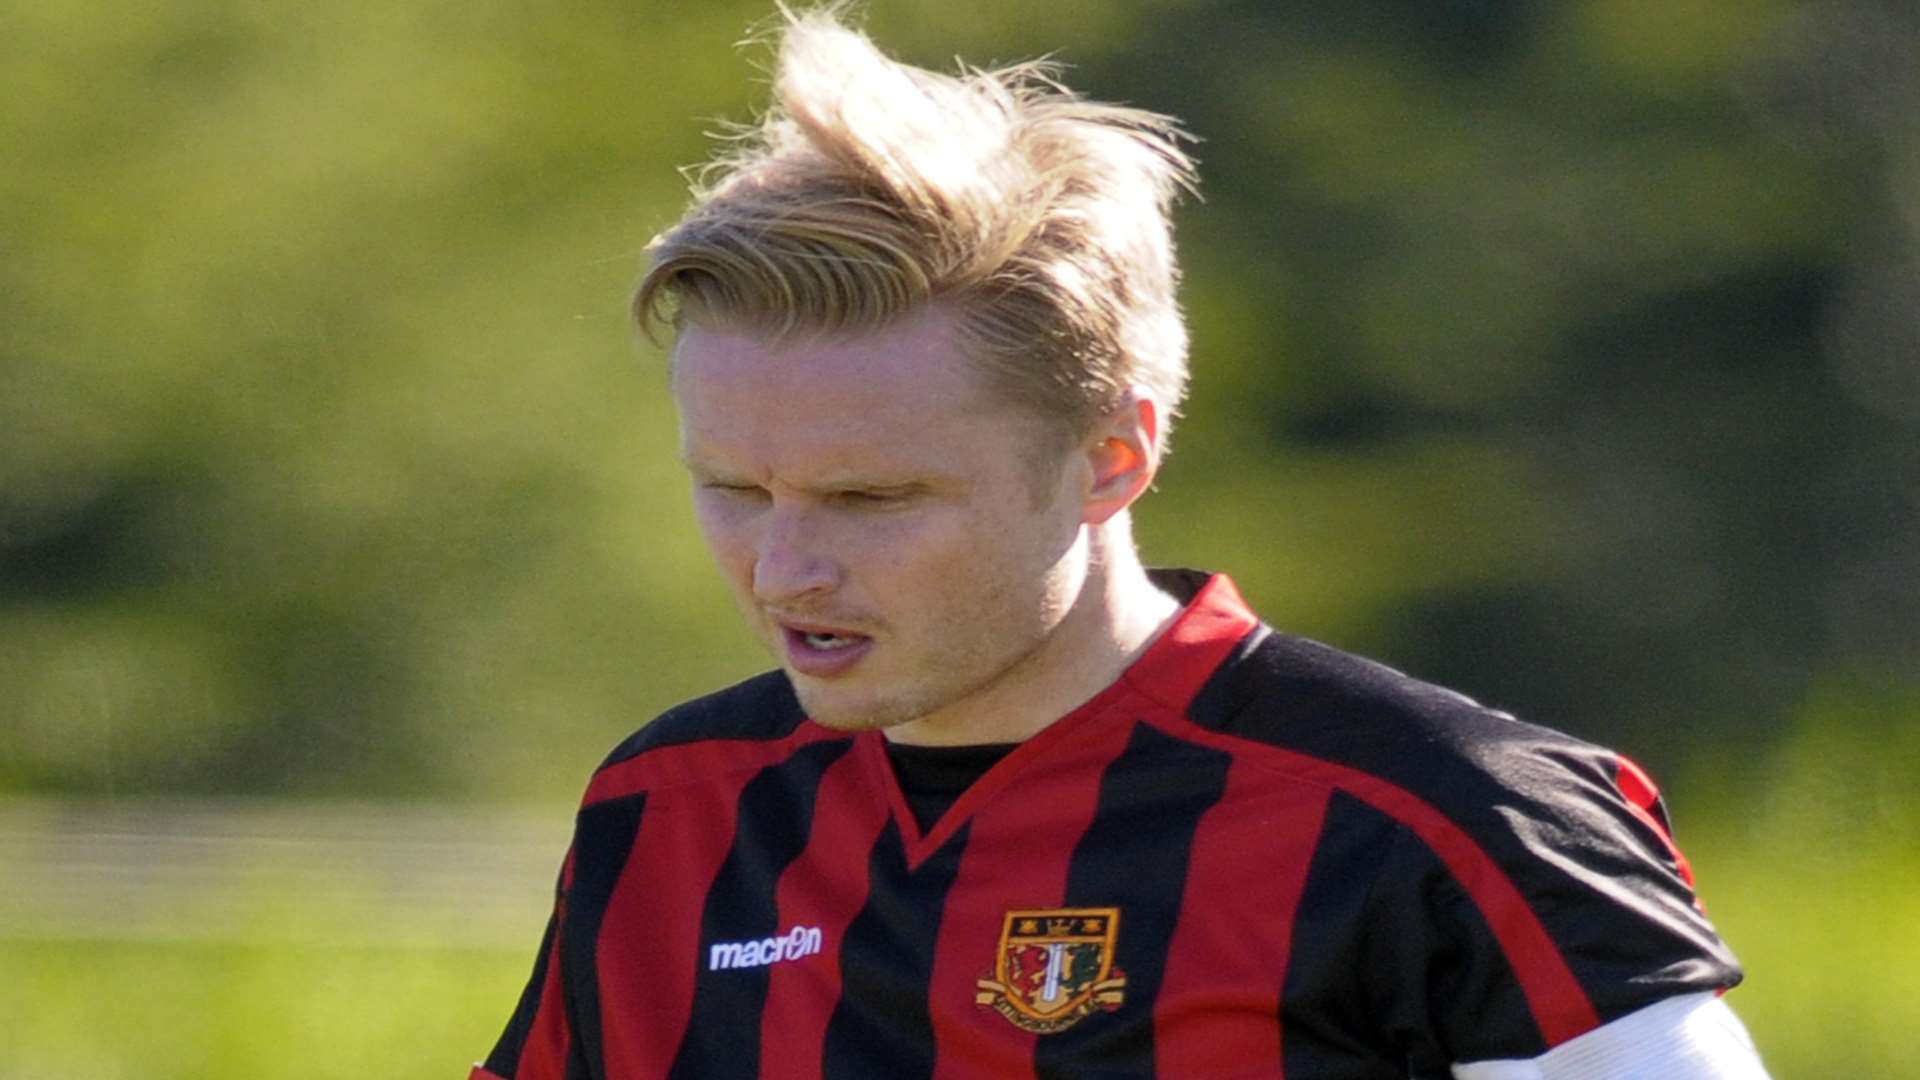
[603, 838]
[505, 1059]
[1392, 966]
[760, 709]
[775, 821]
[881, 1026]
[1228, 689]
[1134, 856]
[1334, 1018]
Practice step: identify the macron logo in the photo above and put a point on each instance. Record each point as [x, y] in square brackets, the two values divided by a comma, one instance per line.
[792, 945]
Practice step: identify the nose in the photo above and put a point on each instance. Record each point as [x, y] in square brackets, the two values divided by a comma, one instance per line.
[790, 562]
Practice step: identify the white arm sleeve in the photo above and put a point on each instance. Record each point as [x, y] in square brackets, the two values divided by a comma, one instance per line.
[1692, 1037]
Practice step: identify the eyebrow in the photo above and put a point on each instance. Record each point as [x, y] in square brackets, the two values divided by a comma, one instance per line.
[924, 478]
[691, 458]
[829, 485]
[701, 469]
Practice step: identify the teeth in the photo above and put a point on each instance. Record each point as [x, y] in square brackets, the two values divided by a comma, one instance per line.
[828, 641]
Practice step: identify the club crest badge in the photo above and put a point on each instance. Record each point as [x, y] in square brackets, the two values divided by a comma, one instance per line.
[1055, 968]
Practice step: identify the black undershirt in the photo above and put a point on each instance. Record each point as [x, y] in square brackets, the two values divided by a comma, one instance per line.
[932, 777]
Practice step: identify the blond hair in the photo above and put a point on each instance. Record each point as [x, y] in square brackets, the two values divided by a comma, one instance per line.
[871, 187]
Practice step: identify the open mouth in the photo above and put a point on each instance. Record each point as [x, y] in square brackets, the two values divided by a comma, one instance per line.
[831, 641]
[823, 651]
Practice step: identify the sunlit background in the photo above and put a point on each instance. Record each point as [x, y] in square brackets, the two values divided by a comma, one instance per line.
[1564, 352]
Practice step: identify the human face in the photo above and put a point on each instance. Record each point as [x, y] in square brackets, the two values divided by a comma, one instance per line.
[876, 511]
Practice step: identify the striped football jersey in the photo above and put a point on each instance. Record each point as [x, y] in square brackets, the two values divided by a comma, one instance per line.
[1251, 856]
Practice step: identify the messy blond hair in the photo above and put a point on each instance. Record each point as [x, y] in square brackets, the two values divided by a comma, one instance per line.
[870, 188]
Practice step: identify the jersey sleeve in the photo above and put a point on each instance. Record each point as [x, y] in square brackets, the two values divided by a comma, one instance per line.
[1562, 909]
[1691, 1037]
[538, 1040]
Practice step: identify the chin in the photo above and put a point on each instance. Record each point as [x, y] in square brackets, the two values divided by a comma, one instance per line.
[850, 725]
[847, 714]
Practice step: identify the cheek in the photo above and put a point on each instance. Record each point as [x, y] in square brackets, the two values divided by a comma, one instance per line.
[961, 560]
[726, 536]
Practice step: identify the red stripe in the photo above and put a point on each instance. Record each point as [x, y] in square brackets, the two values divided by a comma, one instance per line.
[1560, 1007]
[669, 766]
[480, 1073]
[1219, 1005]
[825, 887]
[652, 922]
[1018, 852]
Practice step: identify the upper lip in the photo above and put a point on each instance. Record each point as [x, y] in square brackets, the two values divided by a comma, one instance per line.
[819, 629]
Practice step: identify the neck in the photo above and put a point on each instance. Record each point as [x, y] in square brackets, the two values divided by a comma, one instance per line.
[1116, 614]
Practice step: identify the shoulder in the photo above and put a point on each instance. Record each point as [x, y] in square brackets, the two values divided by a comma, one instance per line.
[1478, 835]
[763, 707]
[1378, 728]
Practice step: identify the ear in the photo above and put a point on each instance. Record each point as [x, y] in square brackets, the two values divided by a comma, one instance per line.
[1123, 452]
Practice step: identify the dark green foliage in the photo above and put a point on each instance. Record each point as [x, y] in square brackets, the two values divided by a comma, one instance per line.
[1559, 352]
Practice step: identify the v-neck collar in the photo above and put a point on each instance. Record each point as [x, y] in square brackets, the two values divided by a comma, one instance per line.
[1165, 677]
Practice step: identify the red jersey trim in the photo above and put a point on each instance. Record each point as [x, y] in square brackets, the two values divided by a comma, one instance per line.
[1642, 797]
[1089, 720]
[480, 1073]
[1168, 674]
[1172, 670]
[1559, 1005]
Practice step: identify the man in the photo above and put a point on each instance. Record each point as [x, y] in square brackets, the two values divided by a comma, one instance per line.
[1013, 805]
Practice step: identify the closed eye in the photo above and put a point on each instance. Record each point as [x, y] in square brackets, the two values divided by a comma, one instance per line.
[876, 498]
[722, 488]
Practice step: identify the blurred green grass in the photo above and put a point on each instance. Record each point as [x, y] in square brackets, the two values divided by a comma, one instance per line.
[1825, 993]
[93, 1010]
[1809, 863]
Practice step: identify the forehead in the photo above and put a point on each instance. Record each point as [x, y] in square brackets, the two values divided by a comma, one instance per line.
[903, 394]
